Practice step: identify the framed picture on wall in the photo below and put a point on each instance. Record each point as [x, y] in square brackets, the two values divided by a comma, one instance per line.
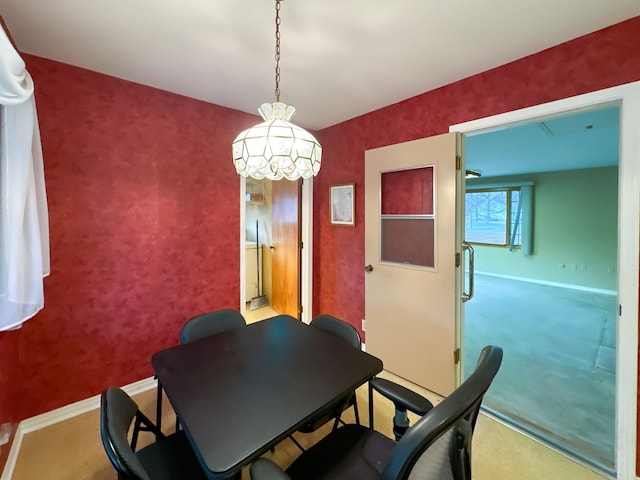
[342, 201]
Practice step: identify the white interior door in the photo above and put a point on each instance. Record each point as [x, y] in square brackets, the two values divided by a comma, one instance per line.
[413, 279]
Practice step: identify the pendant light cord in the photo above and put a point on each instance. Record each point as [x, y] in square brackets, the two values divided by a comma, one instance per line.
[284, 151]
[278, 50]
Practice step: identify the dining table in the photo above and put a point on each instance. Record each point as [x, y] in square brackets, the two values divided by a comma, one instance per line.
[238, 393]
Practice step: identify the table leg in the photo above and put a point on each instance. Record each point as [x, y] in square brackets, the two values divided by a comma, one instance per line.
[159, 406]
[370, 406]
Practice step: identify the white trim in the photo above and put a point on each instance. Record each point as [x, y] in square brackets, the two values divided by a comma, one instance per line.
[551, 284]
[628, 267]
[306, 299]
[243, 244]
[7, 473]
[52, 417]
[628, 250]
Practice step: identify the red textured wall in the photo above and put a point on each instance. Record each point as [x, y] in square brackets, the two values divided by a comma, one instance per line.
[144, 212]
[603, 59]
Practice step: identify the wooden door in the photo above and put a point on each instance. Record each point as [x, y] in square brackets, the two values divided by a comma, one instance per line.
[412, 284]
[286, 247]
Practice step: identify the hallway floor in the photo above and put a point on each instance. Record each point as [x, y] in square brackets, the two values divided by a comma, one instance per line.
[258, 314]
[558, 376]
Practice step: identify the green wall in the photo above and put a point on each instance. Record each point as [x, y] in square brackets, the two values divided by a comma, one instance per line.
[575, 222]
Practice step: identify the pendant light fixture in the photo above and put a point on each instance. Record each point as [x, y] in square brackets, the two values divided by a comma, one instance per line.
[276, 148]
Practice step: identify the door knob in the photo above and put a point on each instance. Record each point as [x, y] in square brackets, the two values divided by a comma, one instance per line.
[368, 268]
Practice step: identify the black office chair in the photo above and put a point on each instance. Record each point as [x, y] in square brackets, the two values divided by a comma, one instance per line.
[199, 327]
[437, 447]
[168, 458]
[404, 401]
[347, 332]
[211, 323]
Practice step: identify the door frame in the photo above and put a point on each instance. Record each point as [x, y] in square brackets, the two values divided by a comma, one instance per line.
[628, 97]
[306, 258]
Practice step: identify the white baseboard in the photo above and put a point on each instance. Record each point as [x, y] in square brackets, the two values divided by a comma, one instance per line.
[570, 286]
[32, 424]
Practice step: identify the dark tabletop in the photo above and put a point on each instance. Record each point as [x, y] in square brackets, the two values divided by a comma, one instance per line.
[240, 392]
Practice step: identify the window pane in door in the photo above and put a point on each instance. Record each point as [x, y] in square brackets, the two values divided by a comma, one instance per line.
[407, 221]
[409, 241]
[407, 192]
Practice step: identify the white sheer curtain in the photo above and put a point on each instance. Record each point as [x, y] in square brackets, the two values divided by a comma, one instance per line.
[24, 223]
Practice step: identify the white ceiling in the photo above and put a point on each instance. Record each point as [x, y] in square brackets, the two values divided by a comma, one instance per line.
[577, 140]
[340, 58]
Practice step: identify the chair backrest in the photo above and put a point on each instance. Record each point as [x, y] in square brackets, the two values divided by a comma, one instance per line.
[338, 328]
[117, 411]
[439, 444]
[211, 323]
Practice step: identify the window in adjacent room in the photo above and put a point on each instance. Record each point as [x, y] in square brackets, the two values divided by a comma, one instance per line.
[494, 216]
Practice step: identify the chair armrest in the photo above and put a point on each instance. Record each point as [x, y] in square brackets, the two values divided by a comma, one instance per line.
[401, 396]
[264, 469]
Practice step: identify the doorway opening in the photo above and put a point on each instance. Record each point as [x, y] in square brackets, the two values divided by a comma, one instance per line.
[258, 234]
[625, 99]
[546, 283]
[276, 225]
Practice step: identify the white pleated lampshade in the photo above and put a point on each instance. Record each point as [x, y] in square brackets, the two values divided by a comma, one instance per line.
[276, 148]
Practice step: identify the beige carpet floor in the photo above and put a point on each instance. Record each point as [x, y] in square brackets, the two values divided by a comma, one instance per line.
[71, 450]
